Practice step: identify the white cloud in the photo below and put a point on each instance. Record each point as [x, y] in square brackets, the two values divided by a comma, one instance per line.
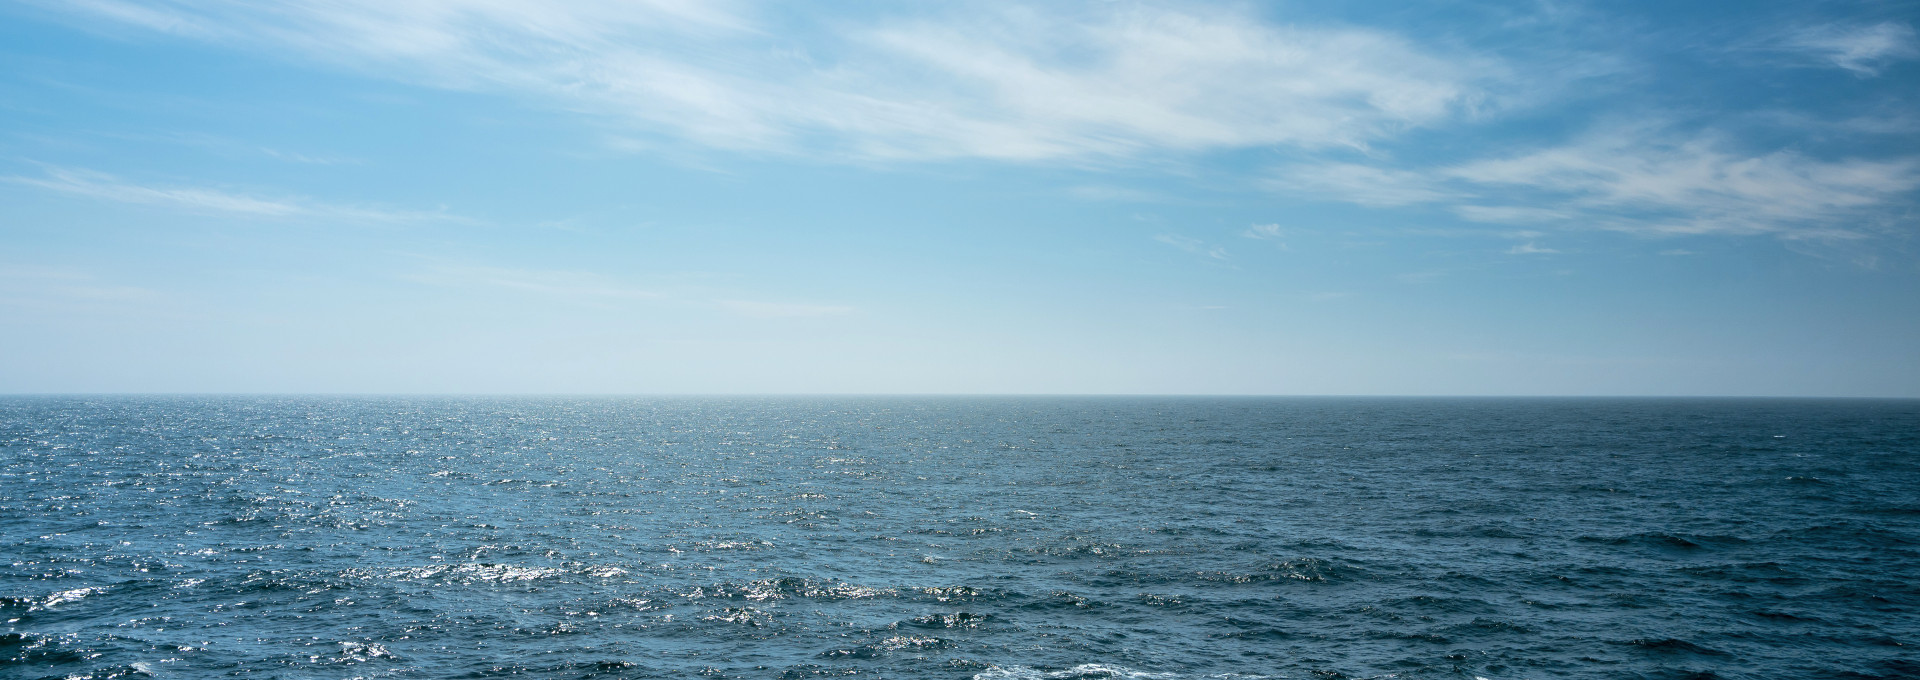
[590, 289]
[1272, 233]
[572, 286]
[776, 310]
[232, 147]
[64, 289]
[1116, 194]
[1643, 181]
[1036, 86]
[1864, 49]
[1265, 232]
[1509, 214]
[296, 157]
[1632, 181]
[1362, 184]
[1022, 84]
[103, 186]
[1530, 249]
[1193, 245]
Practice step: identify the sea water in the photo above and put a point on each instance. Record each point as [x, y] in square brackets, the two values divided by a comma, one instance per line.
[898, 537]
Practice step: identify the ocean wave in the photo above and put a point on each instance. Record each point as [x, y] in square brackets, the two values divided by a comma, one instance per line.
[953, 620]
[1095, 671]
[787, 587]
[1306, 569]
[40, 649]
[1668, 541]
[1670, 646]
[51, 600]
[480, 572]
[1545, 540]
[895, 643]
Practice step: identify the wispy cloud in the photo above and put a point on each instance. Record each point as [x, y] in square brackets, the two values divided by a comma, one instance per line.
[595, 290]
[102, 186]
[1047, 83]
[1094, 192]
[1530, 249]
[1193, 245]
[107, 187]
[1421, 277]
[296, 157]
[1510, 214]
[234, 147]
[1362, 184]
[1272, 233]
[1267, 232]
[61, 288]
[1864, 49]
[572, 286]
[1638, 180]
[776, 310]
[1141, 78]
[1633, 181]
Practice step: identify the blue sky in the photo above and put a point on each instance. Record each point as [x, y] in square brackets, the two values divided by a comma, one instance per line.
[507, 196]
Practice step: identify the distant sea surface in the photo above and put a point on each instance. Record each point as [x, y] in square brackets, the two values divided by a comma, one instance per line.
[992, 538]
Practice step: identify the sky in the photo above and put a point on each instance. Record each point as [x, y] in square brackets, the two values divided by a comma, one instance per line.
[667, 197]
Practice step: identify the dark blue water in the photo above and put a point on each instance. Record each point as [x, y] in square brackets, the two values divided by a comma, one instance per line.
[958, 538]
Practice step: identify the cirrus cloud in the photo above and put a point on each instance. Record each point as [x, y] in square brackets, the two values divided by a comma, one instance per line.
[1864, 49]
[103, 186]
[1029, 84]
[1641, 180]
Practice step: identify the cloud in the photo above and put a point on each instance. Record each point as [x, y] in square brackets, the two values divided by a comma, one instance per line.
[1362, 184]
[572, 286]
[1115, 194]
[774, 310]
[103, 186]
[1639, 180]
[1530, 249]
[1864, 49]
[90, 184]
[591, 289]
[232, 147]
[1265, 232]
[1036, 85]
[1050, 83]
[296, 157]
[59, 288]
[1509, 214]
[1632, 181]
[1193, 245]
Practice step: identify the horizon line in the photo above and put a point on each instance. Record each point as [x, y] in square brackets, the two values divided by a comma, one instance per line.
[1199, 395]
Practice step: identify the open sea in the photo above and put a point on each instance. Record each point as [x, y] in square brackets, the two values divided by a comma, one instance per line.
[951, 537]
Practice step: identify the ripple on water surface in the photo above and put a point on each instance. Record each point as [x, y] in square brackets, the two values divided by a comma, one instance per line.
[958, 537]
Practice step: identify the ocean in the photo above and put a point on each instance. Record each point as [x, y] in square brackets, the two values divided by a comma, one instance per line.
[958, 537]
